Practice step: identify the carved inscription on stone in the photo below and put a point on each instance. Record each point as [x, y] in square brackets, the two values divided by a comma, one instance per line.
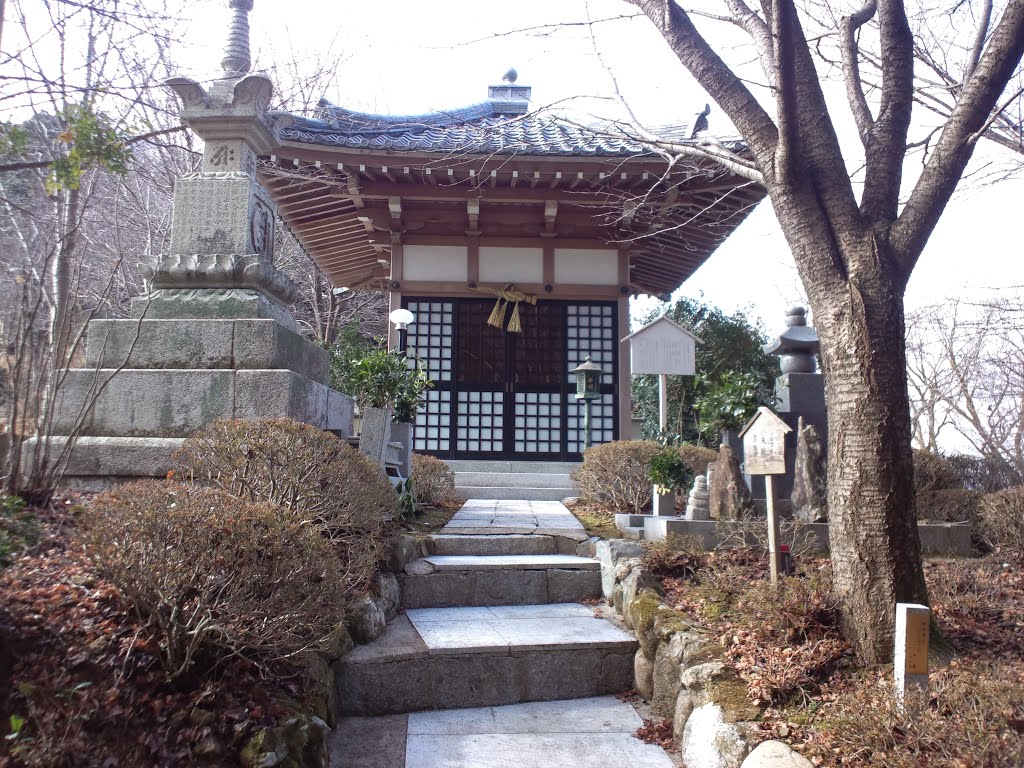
[211, 215]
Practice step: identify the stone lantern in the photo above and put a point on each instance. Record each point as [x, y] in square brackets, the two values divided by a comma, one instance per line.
[588, 382]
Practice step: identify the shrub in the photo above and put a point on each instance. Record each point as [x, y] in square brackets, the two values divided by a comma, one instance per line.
[321, 479]
[433, 482]
[617, 475]
[980, 473]
[18, 529]
[679, 556]
[933, 472]
[216, 575]
[1002, 522]
[697, 457]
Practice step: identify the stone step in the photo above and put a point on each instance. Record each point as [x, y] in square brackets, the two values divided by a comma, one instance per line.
[513, 479]
[535, 467]
[507, 544]
[443, 581]
[595, 732]
[517, 494]
[451, 658]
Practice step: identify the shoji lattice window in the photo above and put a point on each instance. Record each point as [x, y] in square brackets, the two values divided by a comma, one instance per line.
[538, 422]
[591, 331]
[430, 337]
[480, 421]
[434, 422]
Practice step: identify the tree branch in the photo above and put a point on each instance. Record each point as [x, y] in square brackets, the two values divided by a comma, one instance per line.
[939, 178]
[848, 28]
[713, 75]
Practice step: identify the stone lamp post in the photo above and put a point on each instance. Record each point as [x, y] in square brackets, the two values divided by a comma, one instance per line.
[588, 381]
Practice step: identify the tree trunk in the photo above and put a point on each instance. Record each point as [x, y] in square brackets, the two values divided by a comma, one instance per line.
[876, 552]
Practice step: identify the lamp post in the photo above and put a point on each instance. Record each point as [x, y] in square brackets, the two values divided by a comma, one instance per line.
[588, 380]
[402, 318]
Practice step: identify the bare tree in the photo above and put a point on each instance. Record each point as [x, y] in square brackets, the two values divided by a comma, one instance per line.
[966, 375]
[854, 246]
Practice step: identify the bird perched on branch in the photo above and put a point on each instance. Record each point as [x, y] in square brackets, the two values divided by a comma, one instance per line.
[701, 123]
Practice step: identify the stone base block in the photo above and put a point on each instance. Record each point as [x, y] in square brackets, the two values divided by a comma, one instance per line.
[500, 587]
[214, 303]
[176, 403]
[936, 538]
[397, 686]
[211, 344]
[97, 463]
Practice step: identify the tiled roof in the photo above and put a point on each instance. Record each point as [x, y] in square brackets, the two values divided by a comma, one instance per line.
[485, 128]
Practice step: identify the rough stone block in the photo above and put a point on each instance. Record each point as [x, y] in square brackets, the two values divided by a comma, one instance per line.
[477, 680]
[159, 344]
[616, 672]
[270, 394]
[775, 754]
[510, 587]
[554, 675]
[566, 586]
[609, 552]
[438, 590]
[384, 689]
[268, 344]
[144, 403]
[643, 676]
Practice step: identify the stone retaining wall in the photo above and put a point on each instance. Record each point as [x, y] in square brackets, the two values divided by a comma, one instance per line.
[679, 670]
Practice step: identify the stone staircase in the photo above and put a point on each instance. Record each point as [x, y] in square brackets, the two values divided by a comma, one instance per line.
[514, 480]
[492, 621]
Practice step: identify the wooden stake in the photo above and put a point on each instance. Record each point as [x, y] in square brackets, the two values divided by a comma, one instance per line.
[663, 402]
[910, 660]
[773, 529]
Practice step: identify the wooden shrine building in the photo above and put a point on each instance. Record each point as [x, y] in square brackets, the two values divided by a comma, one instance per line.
[516, 238]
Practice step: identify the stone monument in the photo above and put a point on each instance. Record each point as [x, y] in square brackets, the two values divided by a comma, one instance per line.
[728, 495]
[809, 499]
[697, 507]
[800, 393]
[214, 338]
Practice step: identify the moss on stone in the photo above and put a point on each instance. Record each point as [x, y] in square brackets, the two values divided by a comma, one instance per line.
[731, 695]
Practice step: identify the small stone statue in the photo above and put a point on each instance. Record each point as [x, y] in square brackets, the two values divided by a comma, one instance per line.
[697, 506]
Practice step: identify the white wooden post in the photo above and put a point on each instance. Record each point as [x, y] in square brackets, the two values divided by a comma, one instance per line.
[773, 529]
[910, 662]
[663, 402]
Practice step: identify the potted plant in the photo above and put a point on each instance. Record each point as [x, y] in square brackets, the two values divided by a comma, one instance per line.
[407, 403]
[376, 379]
[668, 474]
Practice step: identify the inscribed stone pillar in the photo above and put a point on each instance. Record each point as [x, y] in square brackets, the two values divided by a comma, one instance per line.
[214, 339]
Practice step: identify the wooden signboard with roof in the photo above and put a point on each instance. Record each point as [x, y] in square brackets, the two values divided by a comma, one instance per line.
[764, 453]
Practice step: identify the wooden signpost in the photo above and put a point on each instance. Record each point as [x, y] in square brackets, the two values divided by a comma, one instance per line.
[664, 348]
[764, 453]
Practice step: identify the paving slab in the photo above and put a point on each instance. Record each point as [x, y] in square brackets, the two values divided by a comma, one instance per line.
[447, 631]
[594, 732]
[511, 562]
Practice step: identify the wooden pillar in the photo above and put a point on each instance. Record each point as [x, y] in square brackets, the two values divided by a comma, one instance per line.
[625, 399]
[395, 295]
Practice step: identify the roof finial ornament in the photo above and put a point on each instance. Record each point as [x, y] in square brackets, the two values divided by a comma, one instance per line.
[237, 60]
[511, 76]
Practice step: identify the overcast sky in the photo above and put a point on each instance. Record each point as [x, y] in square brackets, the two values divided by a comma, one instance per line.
[408, 56]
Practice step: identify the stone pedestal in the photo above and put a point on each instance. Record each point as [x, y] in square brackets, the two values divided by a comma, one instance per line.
[151, 383]
[664, 504]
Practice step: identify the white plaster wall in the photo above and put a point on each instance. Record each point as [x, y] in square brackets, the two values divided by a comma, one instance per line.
[586, 266]
[435, 263]
[511, 265]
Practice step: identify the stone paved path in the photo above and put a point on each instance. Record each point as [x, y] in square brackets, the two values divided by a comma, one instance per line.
[490, 665]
